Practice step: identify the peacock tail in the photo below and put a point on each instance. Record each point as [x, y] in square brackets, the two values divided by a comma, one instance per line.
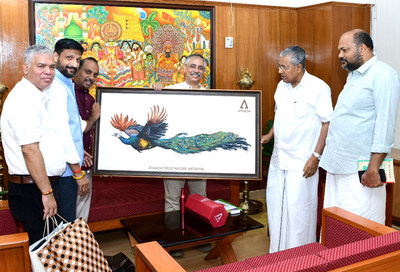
[203, 142]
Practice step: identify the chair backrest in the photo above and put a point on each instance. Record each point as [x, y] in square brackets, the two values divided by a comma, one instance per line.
[340, 227]
[8, 225]
[339, 233]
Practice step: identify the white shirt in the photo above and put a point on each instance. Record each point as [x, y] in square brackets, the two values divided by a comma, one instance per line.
[25, 121]
[364, 119]
[57, 109]
[183, 86]
[299, 113]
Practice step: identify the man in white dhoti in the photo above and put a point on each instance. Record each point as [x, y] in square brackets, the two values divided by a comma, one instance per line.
[303, 108]
[362, 128]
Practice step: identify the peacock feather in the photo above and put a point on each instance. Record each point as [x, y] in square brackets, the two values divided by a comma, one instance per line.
[149, 136]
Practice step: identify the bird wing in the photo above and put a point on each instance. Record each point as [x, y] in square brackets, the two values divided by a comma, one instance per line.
[155, 127]
[129, 126]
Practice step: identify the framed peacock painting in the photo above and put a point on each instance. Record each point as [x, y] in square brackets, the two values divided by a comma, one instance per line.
[136, 44]
[178, 133]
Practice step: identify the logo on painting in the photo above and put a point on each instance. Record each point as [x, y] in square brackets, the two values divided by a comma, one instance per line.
[244, 107]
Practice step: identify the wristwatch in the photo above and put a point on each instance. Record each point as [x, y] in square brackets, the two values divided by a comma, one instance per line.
[317, 155]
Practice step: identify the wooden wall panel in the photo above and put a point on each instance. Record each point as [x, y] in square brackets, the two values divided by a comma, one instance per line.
[288, 21]
[360, 18]
[270, 47]
[305, 36]
[247, 43]
[14, 35]
[322, 29]
[341, 19]
[225, 57]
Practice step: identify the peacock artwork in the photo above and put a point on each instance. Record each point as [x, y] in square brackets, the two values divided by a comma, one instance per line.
[151, 135]
[178, 133]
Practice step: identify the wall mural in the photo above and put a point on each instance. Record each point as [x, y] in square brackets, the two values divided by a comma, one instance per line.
[136, 46]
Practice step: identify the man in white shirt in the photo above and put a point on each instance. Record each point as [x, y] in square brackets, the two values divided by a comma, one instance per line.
[195, 66]
[362, 128]
[33, 153]
[302, 113]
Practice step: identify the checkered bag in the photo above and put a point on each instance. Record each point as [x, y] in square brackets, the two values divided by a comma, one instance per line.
[74, 248]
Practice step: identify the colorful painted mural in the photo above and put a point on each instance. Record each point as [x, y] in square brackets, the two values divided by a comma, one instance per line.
[135, 46]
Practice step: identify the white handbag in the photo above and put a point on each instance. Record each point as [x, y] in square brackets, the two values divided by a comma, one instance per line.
[37, 265]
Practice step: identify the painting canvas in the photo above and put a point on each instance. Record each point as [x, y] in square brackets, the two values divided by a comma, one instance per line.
[136, 44]
[178, 133]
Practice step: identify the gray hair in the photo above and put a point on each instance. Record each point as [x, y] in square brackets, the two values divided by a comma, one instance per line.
[298, 55]
[198, 56]
[36, 49]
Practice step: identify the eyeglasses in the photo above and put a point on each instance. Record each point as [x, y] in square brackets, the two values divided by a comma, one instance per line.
[283, 67]
[194, 66]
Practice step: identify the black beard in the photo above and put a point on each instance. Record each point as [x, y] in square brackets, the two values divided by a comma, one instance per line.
[64, 71]
[358, 61]
[349, 66]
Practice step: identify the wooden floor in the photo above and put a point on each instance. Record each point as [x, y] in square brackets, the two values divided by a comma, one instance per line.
[252, 243]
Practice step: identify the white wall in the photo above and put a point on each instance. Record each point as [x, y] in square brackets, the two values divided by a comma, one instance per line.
[386, 24]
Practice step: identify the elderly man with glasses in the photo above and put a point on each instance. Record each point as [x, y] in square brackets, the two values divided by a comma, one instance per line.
[303, 108]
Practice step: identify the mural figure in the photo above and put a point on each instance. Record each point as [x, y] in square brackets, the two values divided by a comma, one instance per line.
[87, 53]
[149, 136]
[166, 64]
[168, 44]
[150, 67]
[111, 58]
[96, 48]
[126, 50]
[179, 75]
[137, 65]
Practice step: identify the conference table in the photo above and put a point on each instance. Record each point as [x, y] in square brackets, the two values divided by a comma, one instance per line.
[176, 230]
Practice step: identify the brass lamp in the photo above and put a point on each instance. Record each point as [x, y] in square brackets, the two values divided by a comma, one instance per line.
[248, 205]
[245, 82]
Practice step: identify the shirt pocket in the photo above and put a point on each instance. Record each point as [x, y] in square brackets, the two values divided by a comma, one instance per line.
[301, 108]
[358, 98]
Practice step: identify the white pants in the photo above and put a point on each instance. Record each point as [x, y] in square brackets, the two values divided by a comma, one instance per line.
[292, 202]
[346, 192]
[173, 191]
[83, 202]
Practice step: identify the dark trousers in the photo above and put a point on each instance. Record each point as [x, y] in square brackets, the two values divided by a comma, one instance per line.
[68, 189]
[25, 201]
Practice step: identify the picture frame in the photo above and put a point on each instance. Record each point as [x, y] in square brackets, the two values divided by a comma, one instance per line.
[212, 134]
[136, 44]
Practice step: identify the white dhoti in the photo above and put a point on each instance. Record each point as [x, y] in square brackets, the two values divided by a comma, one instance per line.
[292, 202]
[83, 202]
[346, 192]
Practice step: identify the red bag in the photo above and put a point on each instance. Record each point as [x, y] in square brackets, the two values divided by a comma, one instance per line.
[208, 211]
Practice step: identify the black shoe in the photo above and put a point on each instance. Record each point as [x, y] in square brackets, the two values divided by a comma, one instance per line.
[205, 248]
[176, 253]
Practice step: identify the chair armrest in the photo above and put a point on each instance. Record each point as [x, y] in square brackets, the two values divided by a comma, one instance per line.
[4, 205]
[14, 252]
[352, 220]
[151, 257]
